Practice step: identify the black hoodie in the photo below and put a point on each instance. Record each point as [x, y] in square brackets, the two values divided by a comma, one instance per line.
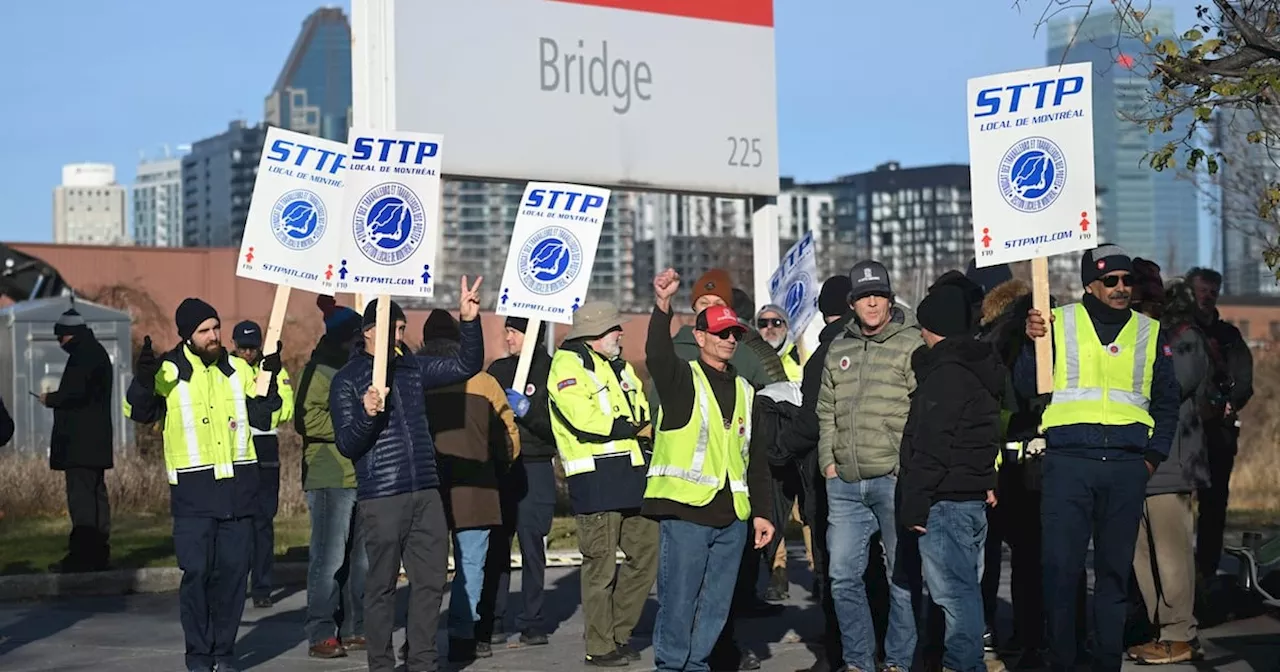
[953, 432]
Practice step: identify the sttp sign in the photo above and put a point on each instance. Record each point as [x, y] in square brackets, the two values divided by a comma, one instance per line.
[654, 94]
[1031, 163]
[795, 285]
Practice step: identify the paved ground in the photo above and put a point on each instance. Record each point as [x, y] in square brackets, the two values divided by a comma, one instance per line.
[142, 633]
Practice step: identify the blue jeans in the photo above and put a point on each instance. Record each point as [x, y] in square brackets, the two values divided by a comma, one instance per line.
[855, 512]
[952, 551]
[697, 567]
[336, 567]
[470, 547]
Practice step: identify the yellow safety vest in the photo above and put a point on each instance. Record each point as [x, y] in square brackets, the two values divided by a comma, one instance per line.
[794, 369]
[692, 463]
[585, 400]
[1101, 384]
[285, 412]
[206, 422]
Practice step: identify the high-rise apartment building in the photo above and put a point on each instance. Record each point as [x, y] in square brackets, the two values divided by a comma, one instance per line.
[157, 203]
[89, 207]
[312, 94]
[918, 222]
[1150, 214]
[217, 184]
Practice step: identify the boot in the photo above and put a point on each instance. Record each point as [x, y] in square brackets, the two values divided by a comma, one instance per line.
[779, 587]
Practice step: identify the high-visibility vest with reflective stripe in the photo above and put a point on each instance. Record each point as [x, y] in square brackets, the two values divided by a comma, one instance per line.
[793, 368]
[589, 399]
[1101, 384]
[692, 463]
[206, 422]
[285, 412]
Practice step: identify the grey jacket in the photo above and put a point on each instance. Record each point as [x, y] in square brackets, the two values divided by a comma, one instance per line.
[1187, 467]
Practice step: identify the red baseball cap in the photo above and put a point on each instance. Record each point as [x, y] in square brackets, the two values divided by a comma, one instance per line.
[717, 319]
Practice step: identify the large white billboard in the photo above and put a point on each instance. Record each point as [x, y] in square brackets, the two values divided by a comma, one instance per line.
[644, 94]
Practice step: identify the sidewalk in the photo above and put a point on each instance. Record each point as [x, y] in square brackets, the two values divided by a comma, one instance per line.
[141, 632]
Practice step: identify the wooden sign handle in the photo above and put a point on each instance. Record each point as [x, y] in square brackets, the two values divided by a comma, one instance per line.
[381, 337]
[526, 355]
[1044, 346]
[279, 309]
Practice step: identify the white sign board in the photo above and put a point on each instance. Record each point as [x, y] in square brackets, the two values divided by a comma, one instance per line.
[652, 94]
[1031, 163]
[291, 237]
[795, 285]
[553, 248]
[390, 214]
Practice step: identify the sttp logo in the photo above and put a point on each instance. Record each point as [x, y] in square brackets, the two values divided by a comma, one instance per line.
[1032, 174]
[390, 223]
[550, 260]
[566, 201]
[298, 219]
[303, 156]
[392, 149]
[794, 301]
[1027, 97]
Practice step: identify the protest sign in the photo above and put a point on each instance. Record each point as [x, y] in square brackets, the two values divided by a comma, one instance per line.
[795, 285]
[289, 238]
[1032, 175]
[553, 248]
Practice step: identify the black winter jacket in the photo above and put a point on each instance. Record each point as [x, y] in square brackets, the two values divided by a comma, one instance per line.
[537, 442]
[82, 433]
[949, 445]
[393, 452]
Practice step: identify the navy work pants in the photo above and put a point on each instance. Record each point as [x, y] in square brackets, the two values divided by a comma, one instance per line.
[214, 557]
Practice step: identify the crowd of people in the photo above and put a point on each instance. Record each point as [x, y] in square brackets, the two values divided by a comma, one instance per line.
[911, 445]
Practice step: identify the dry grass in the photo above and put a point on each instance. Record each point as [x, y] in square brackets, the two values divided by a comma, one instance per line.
[137, 484]
[1255, 480]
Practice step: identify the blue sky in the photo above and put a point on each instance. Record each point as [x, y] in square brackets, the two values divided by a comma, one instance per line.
[859, 83]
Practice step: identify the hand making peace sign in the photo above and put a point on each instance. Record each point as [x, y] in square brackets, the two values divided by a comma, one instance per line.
[469, 304]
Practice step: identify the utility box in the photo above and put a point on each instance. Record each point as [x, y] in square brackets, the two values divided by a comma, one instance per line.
[32, 360]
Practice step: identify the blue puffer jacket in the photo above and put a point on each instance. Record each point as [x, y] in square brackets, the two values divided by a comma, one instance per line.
[393, 451]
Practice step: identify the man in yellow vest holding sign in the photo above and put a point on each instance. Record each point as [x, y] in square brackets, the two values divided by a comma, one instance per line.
[600, 418]
[1108, 426]
[705, 481]
[207, 402]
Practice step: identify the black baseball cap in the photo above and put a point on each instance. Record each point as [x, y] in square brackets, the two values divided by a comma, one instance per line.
[247, 334]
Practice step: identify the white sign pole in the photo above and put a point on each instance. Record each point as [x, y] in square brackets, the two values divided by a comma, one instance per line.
[526, 355]
[1032, 175]
[765, 246]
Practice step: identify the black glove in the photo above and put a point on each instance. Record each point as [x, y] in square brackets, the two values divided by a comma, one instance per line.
[148, 366]
[622, 429]
[272, 361]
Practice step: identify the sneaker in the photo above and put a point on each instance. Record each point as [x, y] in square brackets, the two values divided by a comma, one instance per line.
[263, 602]
[779, 586]
[532, 638]
[995, 665]
[355, 643]
[1162, 653]
[498, 637]
[484, 650]
[893, 668]
[611, 659]
[629, 653]
[989, 641]
[749, 660]
[329, 648]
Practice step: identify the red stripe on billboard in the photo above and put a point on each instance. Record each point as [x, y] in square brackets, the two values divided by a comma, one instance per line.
[749, 12]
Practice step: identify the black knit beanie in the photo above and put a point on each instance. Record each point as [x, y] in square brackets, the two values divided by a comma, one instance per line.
[190, 314]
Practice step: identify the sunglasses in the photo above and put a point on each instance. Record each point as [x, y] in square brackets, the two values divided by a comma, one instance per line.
[1113, 280]
[728, 335]
[765, 323]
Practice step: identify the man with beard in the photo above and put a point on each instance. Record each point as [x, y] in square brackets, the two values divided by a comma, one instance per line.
[528, 497]
[247, 337]
[401, 513]
[1233, 385]
[81, 443]
[1109, 424]
[208, 402]
[600, 416]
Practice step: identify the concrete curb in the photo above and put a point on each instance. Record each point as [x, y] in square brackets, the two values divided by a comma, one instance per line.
[167, 579]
